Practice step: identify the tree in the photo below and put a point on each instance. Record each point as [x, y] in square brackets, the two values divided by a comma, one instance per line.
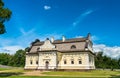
[105, 62]
[4, 58]
[19, 58]
[5, 15]
[99, 60]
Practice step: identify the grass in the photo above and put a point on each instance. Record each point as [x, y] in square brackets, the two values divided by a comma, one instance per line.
[1, 69]
[93, 73]
[12, 69]
[18, 73]
[39, 77]
[9, 72]
[55, 77]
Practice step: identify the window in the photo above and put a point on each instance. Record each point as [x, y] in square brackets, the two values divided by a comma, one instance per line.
[80, 62]
[73, 47]
[31, 62]
[36, 62]
[65, 62]
[38, 49]
[72, 62]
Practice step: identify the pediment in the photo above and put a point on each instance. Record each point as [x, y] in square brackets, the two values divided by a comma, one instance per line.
[47, 45]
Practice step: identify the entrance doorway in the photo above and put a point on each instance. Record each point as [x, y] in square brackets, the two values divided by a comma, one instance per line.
[46, 64]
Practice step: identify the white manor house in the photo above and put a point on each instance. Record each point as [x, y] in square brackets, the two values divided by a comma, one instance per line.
[65, 54]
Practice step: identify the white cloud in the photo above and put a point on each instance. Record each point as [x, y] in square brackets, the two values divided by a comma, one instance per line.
[10, 49]
[23, 41]
[113, 52]
[82, 17]
[46, 7]
[76, 22]
[27, 37]
[11, 45]
[94, 38]
[87, 13]
[22, 31]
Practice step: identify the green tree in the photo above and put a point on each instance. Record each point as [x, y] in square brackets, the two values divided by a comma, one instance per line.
[19, 58]
[11, 61]
[4, 58]
[103, 61]
[5, 15]
[99, 60]
[119, 62]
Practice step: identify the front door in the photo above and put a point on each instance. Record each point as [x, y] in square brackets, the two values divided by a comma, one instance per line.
[46, 64]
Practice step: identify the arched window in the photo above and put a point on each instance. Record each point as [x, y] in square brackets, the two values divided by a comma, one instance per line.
[65, 62]
[38, 48]
[31, 62]
[73, 47]
[37, 62]
[72, 61]
[80, 62]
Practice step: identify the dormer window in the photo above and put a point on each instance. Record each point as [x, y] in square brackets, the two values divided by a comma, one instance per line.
[73, 47]
[38, 49]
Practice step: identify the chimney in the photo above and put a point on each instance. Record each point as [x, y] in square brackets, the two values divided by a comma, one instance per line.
[63, 38]
[88, 36]
[52, 39]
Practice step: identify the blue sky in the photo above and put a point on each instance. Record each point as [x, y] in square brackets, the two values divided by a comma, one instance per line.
[33, 19]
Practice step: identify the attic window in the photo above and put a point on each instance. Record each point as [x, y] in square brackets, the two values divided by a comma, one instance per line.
[73, 47]
[38, 49]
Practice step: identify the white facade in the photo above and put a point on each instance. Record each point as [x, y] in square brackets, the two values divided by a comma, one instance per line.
[47, 56]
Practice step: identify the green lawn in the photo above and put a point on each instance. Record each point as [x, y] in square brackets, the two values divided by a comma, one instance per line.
[18, 73]
[12, 69]
[56, 77]
[1, 69]
[93, 73]
[38, 77]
